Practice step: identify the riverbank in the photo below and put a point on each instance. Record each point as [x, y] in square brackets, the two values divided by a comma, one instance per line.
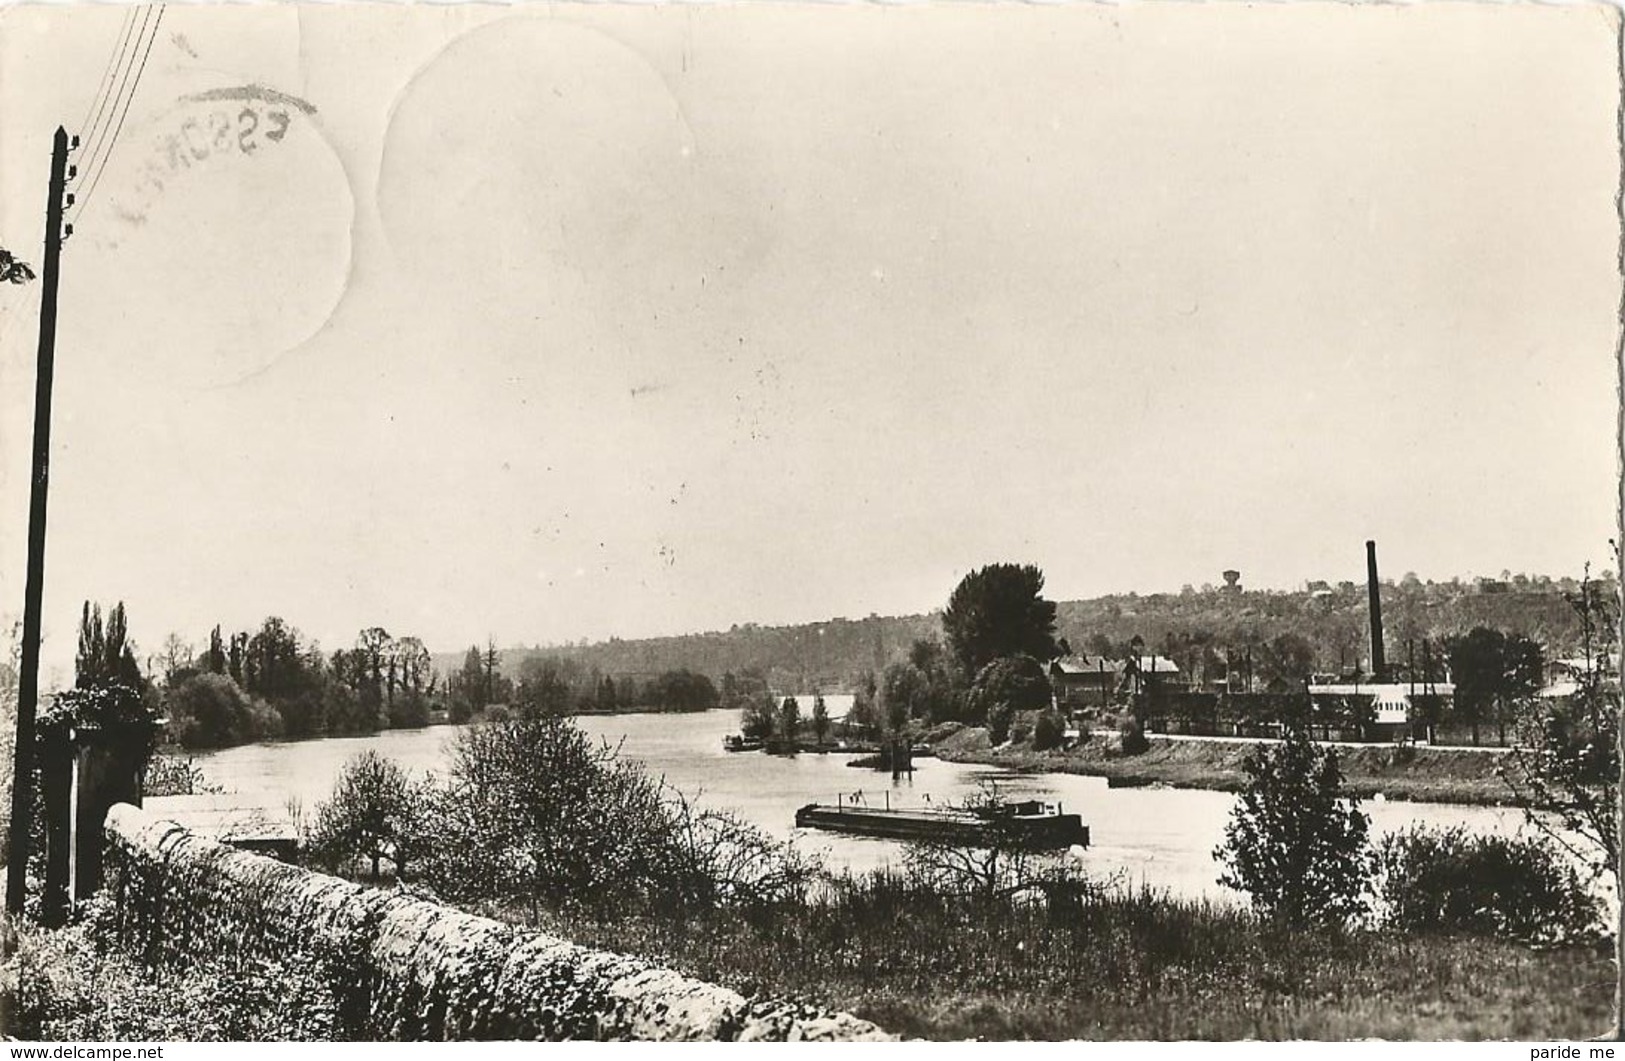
[1418, 774]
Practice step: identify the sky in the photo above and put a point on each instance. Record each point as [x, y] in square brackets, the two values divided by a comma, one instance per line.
[562, 322]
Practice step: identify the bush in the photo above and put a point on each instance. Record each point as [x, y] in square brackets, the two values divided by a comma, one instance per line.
[999, 717]
[1013, 683]
[210, 711]
[1131, 733]
[376, 812]
[1049, 731]
[1294, 843]
[174, 775]
[1452, 881]
[534, 809]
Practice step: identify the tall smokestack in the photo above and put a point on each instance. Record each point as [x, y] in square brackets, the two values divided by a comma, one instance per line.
[1379, 666]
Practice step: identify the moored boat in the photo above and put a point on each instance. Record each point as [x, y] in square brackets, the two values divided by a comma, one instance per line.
[1030, 824]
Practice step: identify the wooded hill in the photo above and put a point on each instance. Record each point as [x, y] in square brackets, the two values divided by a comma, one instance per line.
[1189, 627]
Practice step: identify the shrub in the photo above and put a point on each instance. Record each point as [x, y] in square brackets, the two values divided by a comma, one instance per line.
[1000, 866]
[376, 811]
[69, 985]
[1016, 683]
[999, 717]
[210, 711]
[535, 809]
[174, 775]
[1452, 881]
[1131, 734]
[1294, 843]
[1049, 731]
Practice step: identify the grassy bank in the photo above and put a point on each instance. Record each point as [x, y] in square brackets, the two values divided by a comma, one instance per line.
[1118, 966]
[1428, 775]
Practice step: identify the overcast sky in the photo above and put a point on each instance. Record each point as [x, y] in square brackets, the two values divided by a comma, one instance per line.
[568, 322]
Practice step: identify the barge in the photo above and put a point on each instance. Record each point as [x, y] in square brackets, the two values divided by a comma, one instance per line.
[1029, 824]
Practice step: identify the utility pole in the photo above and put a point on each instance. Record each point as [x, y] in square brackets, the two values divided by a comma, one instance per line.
[22, 778]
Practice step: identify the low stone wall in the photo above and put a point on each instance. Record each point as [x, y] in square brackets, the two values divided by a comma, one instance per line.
[413, 969]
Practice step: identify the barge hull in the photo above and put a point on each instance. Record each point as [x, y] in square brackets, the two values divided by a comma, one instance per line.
[1039, 831]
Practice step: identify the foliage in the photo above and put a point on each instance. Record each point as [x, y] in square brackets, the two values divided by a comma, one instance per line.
[542, 688]
[1490, 669]
[758, 717]
[926, 686]
[376, 812]
[789, 718]
[1294, 843]
[682, 690]
[409, 711]
[210, 711]
[532, 808]
[820, 719]
[1001, 867]
[1564, 772]
[70, 985]
[1049, 731]
[174, 775]
[1454, 881]
[112, 707]
[1114, 962]
[1285, 660]
[726, 861]
[105, 656]
[1131, 736]
[13, 270]
[1006, 686]
[393, 964]
[998, 611]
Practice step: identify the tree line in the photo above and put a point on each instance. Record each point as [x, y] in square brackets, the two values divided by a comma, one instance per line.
[549, 684]
[1201, 630]
[274, 682]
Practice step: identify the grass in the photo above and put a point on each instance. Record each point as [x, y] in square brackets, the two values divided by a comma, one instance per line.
[1121, 965]
[71, 985]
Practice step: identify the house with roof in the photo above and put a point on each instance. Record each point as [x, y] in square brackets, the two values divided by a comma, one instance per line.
[1144, 672]
[1393, 706]
[1084, 681]
[1565, 677]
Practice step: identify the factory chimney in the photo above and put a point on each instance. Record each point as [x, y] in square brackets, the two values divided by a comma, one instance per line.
[1379, 666]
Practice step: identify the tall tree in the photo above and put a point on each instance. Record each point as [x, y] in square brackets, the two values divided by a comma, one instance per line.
[176, 655]
[416, 666]
[492, 658]
[105, 656]
[997, 611]
[473, 684]
[1491, 670]
[373, 644]
[215, 661]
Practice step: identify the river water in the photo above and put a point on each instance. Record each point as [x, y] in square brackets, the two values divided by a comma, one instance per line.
[1163, 837]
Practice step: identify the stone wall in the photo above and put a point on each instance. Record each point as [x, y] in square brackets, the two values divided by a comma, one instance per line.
[409, 968]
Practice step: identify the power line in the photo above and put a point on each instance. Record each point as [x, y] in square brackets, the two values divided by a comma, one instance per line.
[125, 61]
[97, 159]
[115, 59]
[128, 99]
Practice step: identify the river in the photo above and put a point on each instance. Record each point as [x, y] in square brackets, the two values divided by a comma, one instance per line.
[1162, 837]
